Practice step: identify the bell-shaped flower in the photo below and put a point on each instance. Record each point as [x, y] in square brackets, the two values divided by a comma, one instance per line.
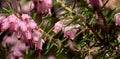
[25, 17]
[5, 25]
[117, 17]
[58, 26]
[23, 26]
[36, 35]
[70, 31]
[32, 24]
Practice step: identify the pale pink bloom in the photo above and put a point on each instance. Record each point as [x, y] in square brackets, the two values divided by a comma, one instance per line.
[42, 6]
[32, 24]
[27, 7]
[13, 27]
[117, 17]
[12, 18]
[58, 26]
[70, 31]
[19, 34]
[39, 44]
[25, 17]
[48, 3]
[36, 35]
[10, 40]
[23, 26]
[2, 18]
[19, 46]
[16, 26]
[5, 25]
[28, 35]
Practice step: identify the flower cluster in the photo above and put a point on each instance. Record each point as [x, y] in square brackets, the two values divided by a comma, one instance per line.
[42, 6]
[20, 28]
[69, 31]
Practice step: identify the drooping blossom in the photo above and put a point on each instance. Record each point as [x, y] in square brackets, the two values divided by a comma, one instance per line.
[117, 17]
[27, 7]
[69, 31]
[58, 26]
[42, 6]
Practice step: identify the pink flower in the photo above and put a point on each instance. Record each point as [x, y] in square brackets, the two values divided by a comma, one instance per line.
[40, 44]
[5, 25]
[25, 17]
[95, 3]
[70, 31]
[23, 26]
[27, 7]
[28, 35]
[2, 18]
[12, 18]
[36, 35]
[9, 40]
[42, 6]
[117, 17]
[32, 24]
[58, 26]
[48, 3]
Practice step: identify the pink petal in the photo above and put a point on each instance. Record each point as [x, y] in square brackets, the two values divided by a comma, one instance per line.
[32, 24]
[23, 26]
[36, 35]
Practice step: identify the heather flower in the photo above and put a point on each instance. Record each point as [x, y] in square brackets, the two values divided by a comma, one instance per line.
[117, 17]
[28, 35]
[32, 24]
[58, 26]
[1, 18]
[95, 3]
[27, 7]
[9, 40]
[42, 6]
[36, 35]
[69, 31]
[12, 18]
[5, 25]
[23, 26]
[25, 18]
[39, 44]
